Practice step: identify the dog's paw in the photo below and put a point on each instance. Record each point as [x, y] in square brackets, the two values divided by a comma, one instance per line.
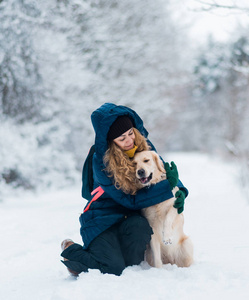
[158, 264]
[168, 241]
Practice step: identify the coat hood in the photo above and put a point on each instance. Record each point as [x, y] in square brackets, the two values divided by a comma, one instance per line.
[102, 119]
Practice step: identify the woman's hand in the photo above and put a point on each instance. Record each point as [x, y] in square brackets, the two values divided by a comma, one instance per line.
[179, 202]
[172, 174]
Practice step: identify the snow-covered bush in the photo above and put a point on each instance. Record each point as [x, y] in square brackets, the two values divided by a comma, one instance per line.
[33, 157]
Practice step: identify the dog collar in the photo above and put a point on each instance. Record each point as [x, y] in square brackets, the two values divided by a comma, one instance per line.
[131, 152]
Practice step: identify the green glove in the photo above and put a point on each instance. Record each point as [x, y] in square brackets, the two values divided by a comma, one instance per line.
[172, 174]
[179, 202]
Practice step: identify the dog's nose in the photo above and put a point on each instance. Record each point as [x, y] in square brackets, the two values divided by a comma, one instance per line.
[141, 173]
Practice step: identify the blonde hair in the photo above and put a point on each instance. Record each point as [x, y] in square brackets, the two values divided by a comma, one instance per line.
[120, 166]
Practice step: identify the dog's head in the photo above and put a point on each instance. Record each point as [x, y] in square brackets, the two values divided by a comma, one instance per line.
[149, 168]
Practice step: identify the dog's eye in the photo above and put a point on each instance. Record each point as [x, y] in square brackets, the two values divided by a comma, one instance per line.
[146, 160]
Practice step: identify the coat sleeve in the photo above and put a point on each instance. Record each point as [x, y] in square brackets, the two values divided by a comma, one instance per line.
[144, 197]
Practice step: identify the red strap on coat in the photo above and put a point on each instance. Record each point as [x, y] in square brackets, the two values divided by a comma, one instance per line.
[99, 191]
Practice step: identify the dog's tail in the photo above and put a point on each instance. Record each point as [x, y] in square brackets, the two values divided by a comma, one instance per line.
[184, 252]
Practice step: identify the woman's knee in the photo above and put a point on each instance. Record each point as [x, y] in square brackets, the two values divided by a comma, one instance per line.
[134, 234]
[105, 249]
[137, 225]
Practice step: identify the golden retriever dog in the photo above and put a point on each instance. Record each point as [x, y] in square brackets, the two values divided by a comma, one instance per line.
[168, 244]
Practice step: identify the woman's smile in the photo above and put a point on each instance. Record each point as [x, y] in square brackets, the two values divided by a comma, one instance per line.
[130, 146]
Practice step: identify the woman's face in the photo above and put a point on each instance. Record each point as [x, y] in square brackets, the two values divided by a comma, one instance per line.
[126, 140]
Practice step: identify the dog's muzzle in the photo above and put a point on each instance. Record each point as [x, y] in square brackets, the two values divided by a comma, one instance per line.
[144, 180]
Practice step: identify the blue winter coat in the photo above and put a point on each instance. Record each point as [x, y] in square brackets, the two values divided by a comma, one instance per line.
[114, 205]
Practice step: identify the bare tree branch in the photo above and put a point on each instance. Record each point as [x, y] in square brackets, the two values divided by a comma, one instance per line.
[214, 5]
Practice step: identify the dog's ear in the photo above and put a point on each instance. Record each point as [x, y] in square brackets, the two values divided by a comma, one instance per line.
[158, 161]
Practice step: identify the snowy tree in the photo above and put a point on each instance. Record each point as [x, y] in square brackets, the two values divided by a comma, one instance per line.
[129, 53]
[222, 93]
[20, 80]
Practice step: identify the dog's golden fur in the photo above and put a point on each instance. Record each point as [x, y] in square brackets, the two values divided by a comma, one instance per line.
[168, 244]
[120, 167]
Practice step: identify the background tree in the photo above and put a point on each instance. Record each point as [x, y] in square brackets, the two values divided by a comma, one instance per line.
[221, 92]
[20, 81]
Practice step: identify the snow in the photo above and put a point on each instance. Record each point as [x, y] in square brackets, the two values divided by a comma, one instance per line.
[32, 227]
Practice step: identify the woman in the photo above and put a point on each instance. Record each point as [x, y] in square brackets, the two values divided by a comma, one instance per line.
[114, 233]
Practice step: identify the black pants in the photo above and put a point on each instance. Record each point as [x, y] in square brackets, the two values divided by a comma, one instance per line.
[113, 250]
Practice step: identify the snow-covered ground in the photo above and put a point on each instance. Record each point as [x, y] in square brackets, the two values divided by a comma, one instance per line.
[216, 217]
